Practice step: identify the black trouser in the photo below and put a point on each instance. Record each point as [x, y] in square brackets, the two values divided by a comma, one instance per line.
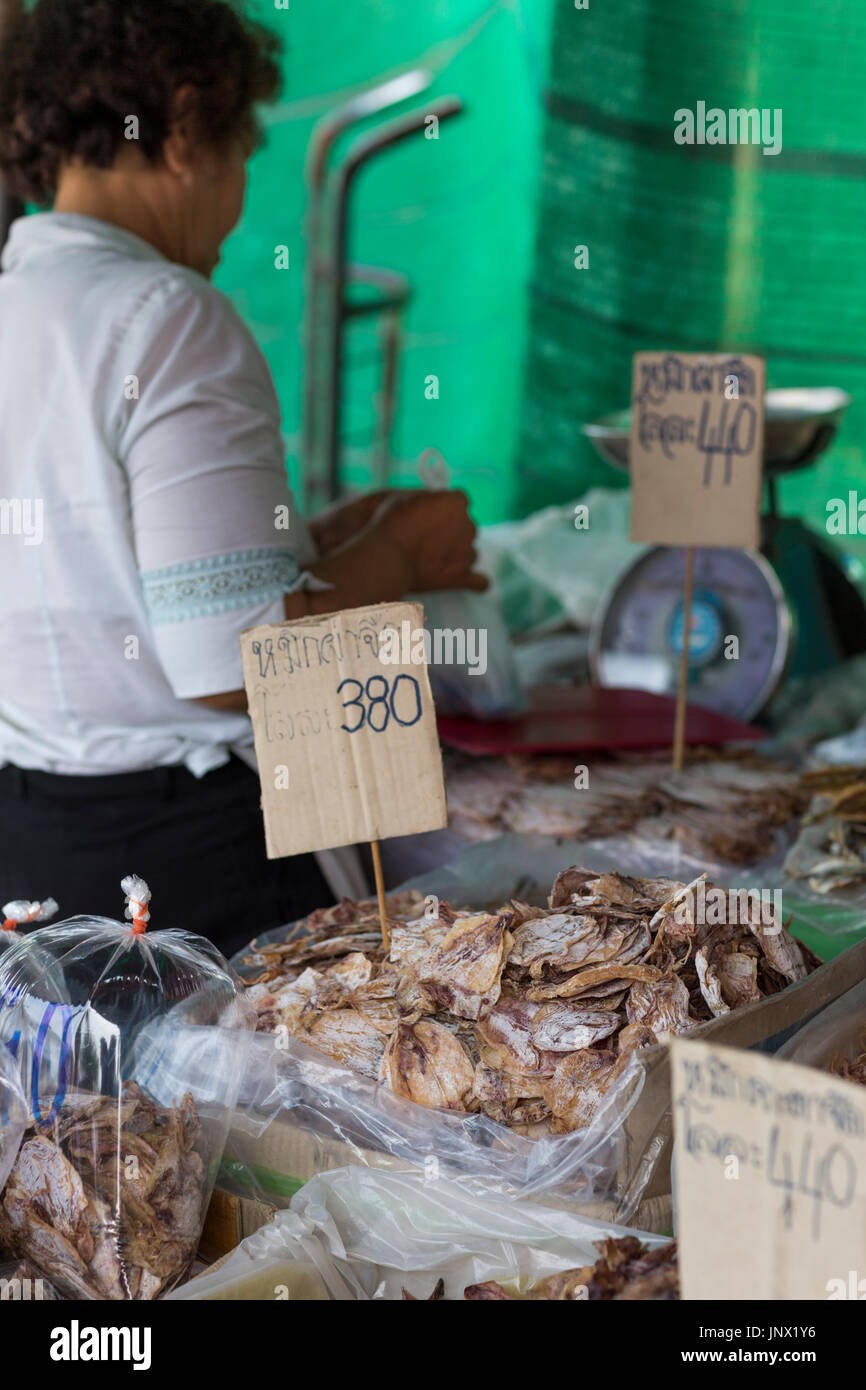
[198, 843]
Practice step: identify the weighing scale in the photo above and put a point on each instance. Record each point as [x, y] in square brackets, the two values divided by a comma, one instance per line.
[791, 606]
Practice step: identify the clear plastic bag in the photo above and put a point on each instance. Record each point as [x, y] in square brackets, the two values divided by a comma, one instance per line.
[380, 1233]
[301, 1112]
[129, 1048]
[556, 565]
[287, 1261]
[13, 1115]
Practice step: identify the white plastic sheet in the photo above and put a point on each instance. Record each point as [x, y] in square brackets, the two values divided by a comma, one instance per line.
[378, 1233]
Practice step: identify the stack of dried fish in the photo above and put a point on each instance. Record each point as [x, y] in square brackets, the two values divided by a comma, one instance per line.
[526, 1014]
[627, 1269]
[105, 1202]
[719, 808]
[830, 852]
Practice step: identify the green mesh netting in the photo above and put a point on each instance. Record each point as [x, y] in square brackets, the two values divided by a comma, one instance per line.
[713, 247]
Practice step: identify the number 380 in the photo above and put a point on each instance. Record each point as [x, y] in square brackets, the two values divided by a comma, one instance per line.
[377, 703]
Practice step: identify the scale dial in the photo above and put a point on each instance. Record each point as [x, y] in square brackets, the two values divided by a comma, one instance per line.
[638, 634]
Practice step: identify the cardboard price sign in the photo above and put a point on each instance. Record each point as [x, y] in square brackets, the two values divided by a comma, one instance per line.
[770, 1172]
[346, 740]
[695, 455]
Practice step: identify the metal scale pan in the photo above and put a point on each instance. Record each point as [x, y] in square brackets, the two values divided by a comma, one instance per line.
[790, 606]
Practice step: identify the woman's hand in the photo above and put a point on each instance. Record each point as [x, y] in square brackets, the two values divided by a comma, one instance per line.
[436, 535]
[343, 521]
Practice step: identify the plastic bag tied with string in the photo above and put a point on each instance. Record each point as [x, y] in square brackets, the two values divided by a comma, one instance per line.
[128, 1047]
[16, 916]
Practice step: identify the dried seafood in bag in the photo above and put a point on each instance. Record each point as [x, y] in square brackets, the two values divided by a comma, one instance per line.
[528, 1015]
[127, 1046]
[627, 1269]
[105, 1201]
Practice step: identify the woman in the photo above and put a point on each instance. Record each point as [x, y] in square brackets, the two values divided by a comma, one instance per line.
[143, 494]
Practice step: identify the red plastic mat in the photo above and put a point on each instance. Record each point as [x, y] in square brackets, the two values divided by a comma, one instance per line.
[562, 718]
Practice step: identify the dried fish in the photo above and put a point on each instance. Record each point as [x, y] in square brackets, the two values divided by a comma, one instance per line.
[710, 983]
[463, 974]
[661, 1004]
[830, 851]
[426, 1063]
[718, 807]
[853, 1071]
[574, 1092]
[527, 1014]
[348, 1037]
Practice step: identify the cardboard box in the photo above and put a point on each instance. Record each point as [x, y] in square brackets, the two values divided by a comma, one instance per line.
[230, 1219]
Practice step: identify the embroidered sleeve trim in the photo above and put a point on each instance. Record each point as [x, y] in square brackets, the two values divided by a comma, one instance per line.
[219, 584]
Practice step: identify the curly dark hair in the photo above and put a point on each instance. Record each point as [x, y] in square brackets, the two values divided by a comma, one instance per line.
[73, 71]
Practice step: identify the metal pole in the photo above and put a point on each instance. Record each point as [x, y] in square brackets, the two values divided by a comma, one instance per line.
[363, 150]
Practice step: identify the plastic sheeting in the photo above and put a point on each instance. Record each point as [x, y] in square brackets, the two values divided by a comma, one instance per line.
[363, 1236]
[300, 1106]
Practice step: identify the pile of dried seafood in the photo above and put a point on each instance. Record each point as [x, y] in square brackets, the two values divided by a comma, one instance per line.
[106, 1201]
[830, 852]
[717, 808]
[852, 1070]
[627, 1269]
[526, 1014]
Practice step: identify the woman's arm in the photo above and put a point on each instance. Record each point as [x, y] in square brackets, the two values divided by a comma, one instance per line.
[420, 541]
[219, 546]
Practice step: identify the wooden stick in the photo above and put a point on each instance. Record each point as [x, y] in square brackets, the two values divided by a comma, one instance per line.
[682, 689]
[380, 894]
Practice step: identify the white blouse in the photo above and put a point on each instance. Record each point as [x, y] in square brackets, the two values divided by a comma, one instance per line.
[145, 515]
